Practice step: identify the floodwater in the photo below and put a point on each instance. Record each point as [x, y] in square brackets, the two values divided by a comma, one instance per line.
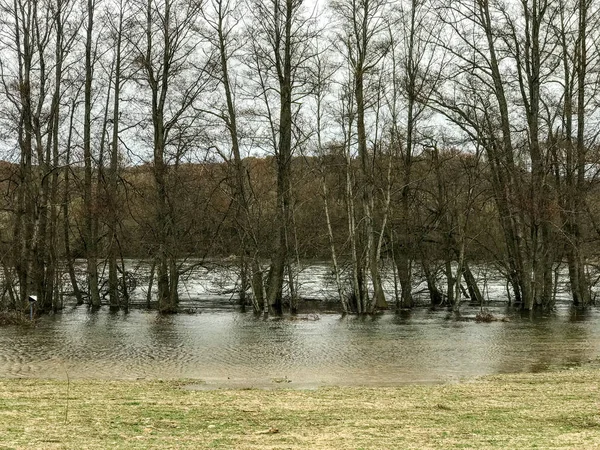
[221, 346]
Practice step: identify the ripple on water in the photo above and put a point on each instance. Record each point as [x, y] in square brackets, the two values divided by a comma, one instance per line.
[228, 346]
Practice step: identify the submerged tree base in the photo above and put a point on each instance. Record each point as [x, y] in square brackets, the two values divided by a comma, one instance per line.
[15, 318]
[168, 310]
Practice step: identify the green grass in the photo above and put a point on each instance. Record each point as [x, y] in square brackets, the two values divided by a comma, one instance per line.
[549, 410]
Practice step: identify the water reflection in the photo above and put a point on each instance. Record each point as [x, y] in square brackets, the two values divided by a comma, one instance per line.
[577, 314]
[225, 346]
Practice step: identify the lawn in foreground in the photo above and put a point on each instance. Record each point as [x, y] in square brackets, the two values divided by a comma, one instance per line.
[548, 410]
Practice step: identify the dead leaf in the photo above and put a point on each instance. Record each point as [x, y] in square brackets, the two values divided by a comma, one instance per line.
[271, 430]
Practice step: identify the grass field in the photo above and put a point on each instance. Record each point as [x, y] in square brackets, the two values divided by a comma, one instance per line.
[547, 410]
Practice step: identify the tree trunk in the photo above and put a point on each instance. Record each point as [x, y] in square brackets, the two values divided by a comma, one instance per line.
[88, 193]
[283, 157]
[435, 294]
[581, 294]
[70, 260]
[112, 191]
[472, 287]
[336, 270]
[242, 194]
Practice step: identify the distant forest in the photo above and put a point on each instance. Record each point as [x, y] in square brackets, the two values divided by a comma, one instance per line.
[425, 133]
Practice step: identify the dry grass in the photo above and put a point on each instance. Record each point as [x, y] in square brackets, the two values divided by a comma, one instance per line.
[550, 410]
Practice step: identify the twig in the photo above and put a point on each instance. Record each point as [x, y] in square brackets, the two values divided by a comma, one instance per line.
[68, 392]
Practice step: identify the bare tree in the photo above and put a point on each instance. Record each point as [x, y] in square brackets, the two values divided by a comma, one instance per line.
[36, 39]
[322, 71]
[118, 20]
[569, 139]
[279, 39]
[364, 43]
[415, 67]
[225, 33]
[90, 237]
[477, 98]
[165, 57]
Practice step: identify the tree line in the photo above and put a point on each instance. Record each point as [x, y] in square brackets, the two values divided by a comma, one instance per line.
[429, 134]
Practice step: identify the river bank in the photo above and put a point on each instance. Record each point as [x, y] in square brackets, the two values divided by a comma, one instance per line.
[544, 410]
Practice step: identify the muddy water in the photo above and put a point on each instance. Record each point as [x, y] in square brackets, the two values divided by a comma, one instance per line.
[225, 347]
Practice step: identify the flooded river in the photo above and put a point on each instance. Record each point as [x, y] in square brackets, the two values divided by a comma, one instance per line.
[222, 346]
